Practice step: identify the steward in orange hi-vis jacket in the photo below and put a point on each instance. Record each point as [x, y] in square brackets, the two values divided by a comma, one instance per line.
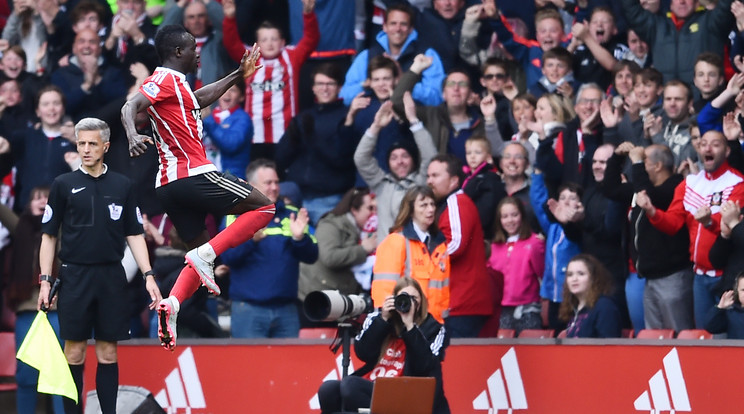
[403, 254]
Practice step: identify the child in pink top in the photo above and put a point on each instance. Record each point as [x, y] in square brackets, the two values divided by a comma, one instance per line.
[518, 254]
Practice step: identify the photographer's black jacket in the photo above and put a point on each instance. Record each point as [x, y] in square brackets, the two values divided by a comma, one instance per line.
[425, 347]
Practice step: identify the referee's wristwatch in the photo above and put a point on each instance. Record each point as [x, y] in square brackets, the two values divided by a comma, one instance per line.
[46, 278]
[148, 273]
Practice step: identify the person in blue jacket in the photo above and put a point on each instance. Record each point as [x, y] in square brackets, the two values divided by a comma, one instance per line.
[230, 129]
[399, 41]
[558, 248]
[264, 271]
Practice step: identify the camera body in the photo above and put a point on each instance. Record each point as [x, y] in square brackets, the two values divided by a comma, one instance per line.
[403, 302]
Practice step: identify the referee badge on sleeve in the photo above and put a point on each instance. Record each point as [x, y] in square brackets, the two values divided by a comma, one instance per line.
[115, 211]
[48, 213]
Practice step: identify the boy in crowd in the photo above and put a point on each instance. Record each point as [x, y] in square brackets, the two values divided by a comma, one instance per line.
[496, 81]
[529, 53]
[708, 79]
[596, 48]
[643, 101]
[557, 74]
[271, 94]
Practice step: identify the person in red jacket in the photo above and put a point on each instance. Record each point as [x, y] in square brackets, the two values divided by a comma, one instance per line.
[697, 203]
[471, 301]
[272, 93]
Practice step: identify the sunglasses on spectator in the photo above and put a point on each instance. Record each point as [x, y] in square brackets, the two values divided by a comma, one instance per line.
[499, 76]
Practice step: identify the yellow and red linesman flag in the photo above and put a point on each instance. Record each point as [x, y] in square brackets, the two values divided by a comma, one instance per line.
[41, 350]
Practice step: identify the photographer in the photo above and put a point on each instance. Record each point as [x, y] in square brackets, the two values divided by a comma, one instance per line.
[393, 343]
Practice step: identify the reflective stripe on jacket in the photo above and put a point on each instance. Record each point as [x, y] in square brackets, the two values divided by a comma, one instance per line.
[403, 254]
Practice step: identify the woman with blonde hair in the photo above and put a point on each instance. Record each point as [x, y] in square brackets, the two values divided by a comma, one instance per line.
[415, 247]
[400, 339]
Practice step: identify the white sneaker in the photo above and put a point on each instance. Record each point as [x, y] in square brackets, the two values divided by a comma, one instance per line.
[204, 269]
[167, 315]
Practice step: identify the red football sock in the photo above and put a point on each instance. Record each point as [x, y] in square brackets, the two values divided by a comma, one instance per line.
[186, 284]
[242, 229]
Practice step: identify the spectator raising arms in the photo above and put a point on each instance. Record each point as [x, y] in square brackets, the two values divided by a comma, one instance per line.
[271, 94]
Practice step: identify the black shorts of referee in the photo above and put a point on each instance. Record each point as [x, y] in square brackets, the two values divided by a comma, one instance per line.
[188, 200]
[93, 302]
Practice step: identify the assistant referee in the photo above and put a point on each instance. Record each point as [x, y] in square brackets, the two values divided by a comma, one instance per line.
[97, 213]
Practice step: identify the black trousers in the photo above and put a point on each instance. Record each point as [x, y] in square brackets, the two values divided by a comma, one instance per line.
[349, 394]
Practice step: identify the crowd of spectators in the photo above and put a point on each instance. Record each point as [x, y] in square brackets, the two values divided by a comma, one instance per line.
[545, 129]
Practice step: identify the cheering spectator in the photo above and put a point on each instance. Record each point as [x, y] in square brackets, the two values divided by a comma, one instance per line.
[407, 164]
[272, 94]
[400, 41]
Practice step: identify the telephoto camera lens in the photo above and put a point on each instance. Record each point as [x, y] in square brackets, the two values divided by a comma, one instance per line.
[403, 302]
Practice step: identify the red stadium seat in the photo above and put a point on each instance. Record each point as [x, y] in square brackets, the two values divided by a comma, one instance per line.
[655, 334]
[537, 333]
[562, 334]
[7, 361]
[627, 333]
[694, 334]
[505, 333]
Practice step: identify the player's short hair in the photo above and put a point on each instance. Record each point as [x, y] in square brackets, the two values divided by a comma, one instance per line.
[168, 38]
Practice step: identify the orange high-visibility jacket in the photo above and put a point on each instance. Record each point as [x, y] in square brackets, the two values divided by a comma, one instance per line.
[403, 254]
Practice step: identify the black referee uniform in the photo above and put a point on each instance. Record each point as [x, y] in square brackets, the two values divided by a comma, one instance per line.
[95, 214]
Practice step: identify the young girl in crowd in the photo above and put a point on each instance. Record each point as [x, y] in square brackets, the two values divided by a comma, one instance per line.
[481, 183]
[728, 316]
[587, 306]
[519, 255]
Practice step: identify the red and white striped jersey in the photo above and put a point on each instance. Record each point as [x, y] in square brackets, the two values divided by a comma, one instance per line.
[272, 93]
[177, 126]
[271, 98]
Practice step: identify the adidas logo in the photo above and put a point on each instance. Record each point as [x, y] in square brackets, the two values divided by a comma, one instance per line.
[494, 398]
[675, 385]
[183, 388]
[335, 374]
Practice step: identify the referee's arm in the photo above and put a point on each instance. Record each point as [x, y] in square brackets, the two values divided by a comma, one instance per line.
[138, 245]
[46, 263]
